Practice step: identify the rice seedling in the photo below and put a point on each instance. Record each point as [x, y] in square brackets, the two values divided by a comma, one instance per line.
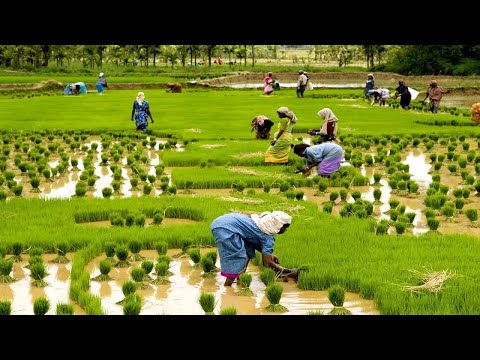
[6, 267]
[472, 215]
[64, 309]
[273, 292]
[356, 194]
[343, 195]
[138, 275]
[231, 310]
[105, 267]
[195, 256]
[207, 302]
[17, 190]
[245, 280]
[135, 246]
[132, 305]
[5, 307]
[35, 251]
[400, 227]
[147, 266]
[377, 194]
[433, 224]
[122, 255]
[62, 249]
[161, 270]
[38, 273]
[157, 218]
[17, 250]
[161, 247]
[315, 312]
[212, 255]
[376, 178]
[327, 207]
[164, 258]
[381, 227]
[459, 203]
[41, 306]
[35, 182]
[128, 287]
[208, 266]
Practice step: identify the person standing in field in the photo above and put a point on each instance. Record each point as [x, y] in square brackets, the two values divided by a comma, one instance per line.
[268, 84]
[369, 86]
[301, 83]
[327, 156]
[101, 83]
[280, 146]
[141, 112]
[404, 93]
[435, 93]
[238, 236]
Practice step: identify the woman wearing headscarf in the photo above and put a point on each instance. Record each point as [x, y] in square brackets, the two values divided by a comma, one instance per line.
[238, 235]
[280, 146]
[101, 83]
[262, 125]
[327, 156]
[141, 112]
[405, 95]
[268, 84]
[328, 132]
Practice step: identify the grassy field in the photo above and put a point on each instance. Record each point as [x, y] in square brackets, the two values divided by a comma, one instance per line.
[216, 127]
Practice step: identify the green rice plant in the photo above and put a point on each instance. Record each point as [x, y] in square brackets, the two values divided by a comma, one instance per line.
[381, 227]
[134, 182]
[401, 209]
[290, 194]
[343, 195]
[452, 168]
[376, 178]
[470, 180]
[5, 307]
[212, 255]
[161, 270]
[273, 292]
[377, 194]
[245, 280]
[207, 302]
[334, 196]
[135, 246]
[161, 247]
[41, 306]
[157, 218]
[164, 258]
[195, 256]
[34, 260]
[122, 254]
[430, 213]
[267, 188]
[62, 249]
[433, 224]
[35, 182]
[147, 266]
[6, 267]
[336, 295]
[109, 250]
[459, 203]
[472, 215]
[466, 192]
[107, 192]
[267, 276]
[138, 274]
[328, 207]
[129, 219]
[393, 203]
[140, 220]
[315, 312]
[38, 273]
[299, 194]
[17, 250]
[356, 194]
[410, 216]
[105, 267]
[443, 189]
[322, 185]
[231, 310]
[80, 189]
[147, 189]
[208, 266]
[400, 227]
[17, 190]
[64, 309]
[3, 195]
[128, 287]
[35, 251]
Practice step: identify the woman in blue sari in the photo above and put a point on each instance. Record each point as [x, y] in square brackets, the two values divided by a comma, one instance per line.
[141, 112]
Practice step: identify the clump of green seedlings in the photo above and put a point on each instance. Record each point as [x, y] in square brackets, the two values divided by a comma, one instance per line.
[65, 309]
[17, 250]
[122, 255]
[472, 215]
[195, 256]
[207, 302]
[62, 249]
[315, 312]
[336, 295]
[161, 247]
[208, 267]
[38, 273]
[105, 267]
[273, 292]
[377, 194]
[110, 251]
[381, 227]
[5, 307]
[231, 310]
[161, 270]
[138, 274]
[132, 304]
[135, 246]
[147, 266]
[128, 287]
[41, 306]
[6, 267]
[245, 280]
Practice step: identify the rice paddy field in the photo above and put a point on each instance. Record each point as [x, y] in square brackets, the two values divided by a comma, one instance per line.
[98, 219]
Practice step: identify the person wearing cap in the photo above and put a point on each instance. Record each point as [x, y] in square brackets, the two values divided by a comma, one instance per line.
[301, 83]
[239, 235]
[327, 156]
[369, 86]
[101, 83]
[435, 93]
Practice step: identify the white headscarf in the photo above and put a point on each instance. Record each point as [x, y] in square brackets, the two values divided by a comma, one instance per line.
[140, 98]
[271, 222]
[285, 110]
[327, 115]
[101, 74]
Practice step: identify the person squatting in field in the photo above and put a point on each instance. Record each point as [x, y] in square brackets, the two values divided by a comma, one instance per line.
[141, 112]
[238, 236]
[327, 156]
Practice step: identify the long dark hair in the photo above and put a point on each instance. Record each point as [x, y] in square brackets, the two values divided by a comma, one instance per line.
[299, 149]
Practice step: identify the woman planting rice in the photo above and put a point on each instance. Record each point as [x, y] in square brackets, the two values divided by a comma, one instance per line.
[328, 132]
[141, 112]
[238, 236]
[280, 147]
[327, 156]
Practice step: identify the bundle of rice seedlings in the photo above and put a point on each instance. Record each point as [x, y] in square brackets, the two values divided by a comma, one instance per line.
[132, 304]
[207, 302]
[245, 280]
[138, 274]
[38, 273]
[336, 295]
[195, 256]
[273, 292]
[110, 251]
[62, 249]
[17, 249]
[122, 255]
[147, 266]
[128, 287]
[315, 312]
[267, 276]
[228, 311]
[105, 267]
[6, 267]
[161, 247]
[161, 270]
[41, 306]
[5, 307]
[212, 255]
[208, 266]
[135, 246]
[64, 309]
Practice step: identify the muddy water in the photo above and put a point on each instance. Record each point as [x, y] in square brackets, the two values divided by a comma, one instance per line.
[22, 294]
[180, 296]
